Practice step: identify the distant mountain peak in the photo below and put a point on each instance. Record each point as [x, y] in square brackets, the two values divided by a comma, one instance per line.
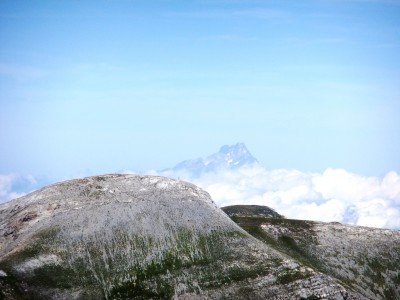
[238, 148]
[228, 157]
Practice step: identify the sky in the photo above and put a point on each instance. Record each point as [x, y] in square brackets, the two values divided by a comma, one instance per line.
[92, 87]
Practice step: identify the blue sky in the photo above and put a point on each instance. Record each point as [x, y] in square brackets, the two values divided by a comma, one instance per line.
[89, 87]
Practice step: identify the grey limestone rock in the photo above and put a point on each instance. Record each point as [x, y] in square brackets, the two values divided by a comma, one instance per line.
[141, 237]
[365, 259]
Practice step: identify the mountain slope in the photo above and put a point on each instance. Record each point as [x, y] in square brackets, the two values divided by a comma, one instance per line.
[141, 237]
[228, 157]
[367, 259]
[250, 211]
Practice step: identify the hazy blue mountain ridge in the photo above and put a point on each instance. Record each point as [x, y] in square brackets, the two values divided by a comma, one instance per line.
[228, 157]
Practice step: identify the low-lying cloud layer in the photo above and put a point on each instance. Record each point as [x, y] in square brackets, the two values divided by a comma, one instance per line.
[13, 186]
[334, 195]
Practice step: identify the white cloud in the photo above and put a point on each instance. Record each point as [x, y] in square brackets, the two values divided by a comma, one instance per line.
[5, 185]
[6, 192]
[334, 195]
[346, 186]
[391, 185]
[13, 186]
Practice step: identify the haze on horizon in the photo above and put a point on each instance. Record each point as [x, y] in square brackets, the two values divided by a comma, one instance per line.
[92, 87]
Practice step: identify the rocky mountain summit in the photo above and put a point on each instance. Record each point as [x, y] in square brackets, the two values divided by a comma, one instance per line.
[228, 157]
[143, 237]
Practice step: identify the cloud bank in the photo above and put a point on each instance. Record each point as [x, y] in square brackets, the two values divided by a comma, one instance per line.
[334, 195]
[13, 186]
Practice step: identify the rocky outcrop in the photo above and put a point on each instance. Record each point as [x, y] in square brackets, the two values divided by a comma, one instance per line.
[365, 259]
[141, 237]
[255, 211]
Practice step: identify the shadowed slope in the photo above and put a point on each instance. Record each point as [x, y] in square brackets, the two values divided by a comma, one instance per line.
[251, 211]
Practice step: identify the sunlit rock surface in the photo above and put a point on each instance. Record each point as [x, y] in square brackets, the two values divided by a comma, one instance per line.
[365, 259]
[142, 237]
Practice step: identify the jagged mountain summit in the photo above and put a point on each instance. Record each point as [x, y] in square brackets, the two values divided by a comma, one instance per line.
[142, 237]
[228, 157]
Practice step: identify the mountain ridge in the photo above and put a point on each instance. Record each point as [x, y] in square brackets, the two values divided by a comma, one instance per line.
[142, 237]
[367, 259]
[228, 157]
[256, 211]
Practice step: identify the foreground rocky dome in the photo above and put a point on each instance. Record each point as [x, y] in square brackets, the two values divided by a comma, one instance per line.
[366, 259]
[141, 237]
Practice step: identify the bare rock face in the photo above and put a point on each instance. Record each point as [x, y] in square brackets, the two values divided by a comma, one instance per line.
[255, 211]
[141, 237]
[366, 259]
